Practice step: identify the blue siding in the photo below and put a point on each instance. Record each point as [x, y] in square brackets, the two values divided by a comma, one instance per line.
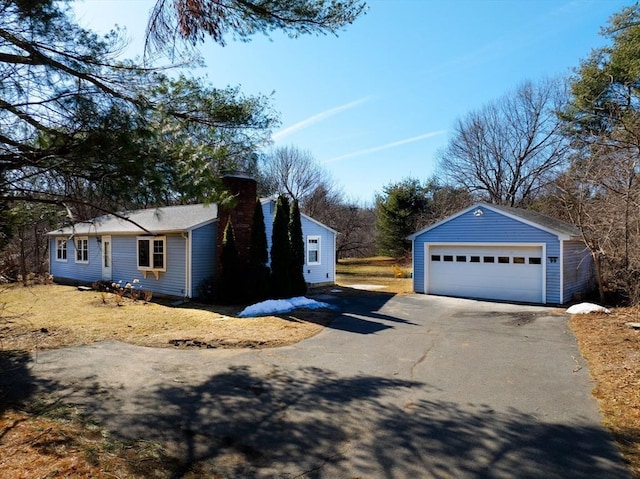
[170, 282]
[491, 228]
[324, 272]
[203, 255]
[124, 264]
[83, 272]
[578, 270]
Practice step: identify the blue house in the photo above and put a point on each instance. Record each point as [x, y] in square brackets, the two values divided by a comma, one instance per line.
[501, 253]
[175, 249]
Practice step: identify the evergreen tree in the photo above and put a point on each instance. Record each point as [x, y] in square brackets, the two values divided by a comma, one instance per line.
[399, 213]
[281, 250]
[298, 283]
[258, 274]
[230, 288]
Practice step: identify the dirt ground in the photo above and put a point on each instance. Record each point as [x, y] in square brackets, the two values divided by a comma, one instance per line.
[612, 350]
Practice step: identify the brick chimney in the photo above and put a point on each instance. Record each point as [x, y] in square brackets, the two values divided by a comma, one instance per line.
[244, 188]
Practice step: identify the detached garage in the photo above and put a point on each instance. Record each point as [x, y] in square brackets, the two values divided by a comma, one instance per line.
[501, 253]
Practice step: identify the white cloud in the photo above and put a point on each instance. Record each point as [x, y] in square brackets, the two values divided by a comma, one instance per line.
[317, 118]
[386, 146]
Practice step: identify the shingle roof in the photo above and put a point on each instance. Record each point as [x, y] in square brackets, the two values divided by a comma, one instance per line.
[540, 219]
[166, 219]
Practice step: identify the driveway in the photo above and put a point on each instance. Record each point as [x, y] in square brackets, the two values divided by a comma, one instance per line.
[397, 387]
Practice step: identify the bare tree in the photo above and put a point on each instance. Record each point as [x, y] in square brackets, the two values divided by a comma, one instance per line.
[294, 172]
[507, 150]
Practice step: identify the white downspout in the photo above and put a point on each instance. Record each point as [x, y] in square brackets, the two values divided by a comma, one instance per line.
[187, 264]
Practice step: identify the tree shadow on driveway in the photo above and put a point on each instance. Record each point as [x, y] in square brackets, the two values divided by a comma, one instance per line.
[360, 312]
[311, 423]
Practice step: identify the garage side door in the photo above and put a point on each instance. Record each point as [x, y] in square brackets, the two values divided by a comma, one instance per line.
[513, 273]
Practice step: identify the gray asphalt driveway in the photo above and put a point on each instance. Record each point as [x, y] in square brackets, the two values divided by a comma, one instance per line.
[398, 387]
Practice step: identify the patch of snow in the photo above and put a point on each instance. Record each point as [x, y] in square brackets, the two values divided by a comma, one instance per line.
[586, 308]
[367, 287]
[274, 306]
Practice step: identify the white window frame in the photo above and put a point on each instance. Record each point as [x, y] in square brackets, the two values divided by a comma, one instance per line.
[314, 240]
[61, 246]
[82, 252]
[151, 240]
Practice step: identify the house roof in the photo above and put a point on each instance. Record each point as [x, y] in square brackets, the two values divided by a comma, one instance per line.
[166, 219]
[264, 201]
[560, 228]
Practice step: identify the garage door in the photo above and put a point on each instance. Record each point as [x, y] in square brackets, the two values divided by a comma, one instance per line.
[511, 273]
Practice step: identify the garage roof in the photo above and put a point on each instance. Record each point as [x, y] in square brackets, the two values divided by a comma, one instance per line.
[560, 228]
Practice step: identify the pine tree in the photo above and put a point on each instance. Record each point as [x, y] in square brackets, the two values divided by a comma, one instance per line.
[230, 279]
[281, 250]
[258, 271]
[298, 283]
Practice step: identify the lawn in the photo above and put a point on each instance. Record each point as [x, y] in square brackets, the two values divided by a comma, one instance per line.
[48, 439]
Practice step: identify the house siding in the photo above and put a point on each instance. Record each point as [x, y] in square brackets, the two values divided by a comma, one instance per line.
[203, 256]
[491, 228]
[171, 282]
[578, 270]
[325, 271]
[70, 270]
[313, 273]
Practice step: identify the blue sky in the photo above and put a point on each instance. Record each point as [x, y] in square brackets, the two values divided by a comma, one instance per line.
[374, 105]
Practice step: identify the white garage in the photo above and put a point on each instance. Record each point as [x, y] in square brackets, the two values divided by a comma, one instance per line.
[511, 273]
[500, 253]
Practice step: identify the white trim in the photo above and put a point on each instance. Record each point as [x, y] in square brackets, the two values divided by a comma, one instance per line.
[187, 261]
[76, 250]
[106, 239]
[66, 249]
[561, 259]
[543, 261]
[151, 239]
[318, 239]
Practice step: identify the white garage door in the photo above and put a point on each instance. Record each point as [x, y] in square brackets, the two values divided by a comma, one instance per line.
[511, 273]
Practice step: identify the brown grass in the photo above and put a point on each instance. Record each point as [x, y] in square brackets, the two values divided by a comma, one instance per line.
[56, 316]
[393, 276]
[612, 351]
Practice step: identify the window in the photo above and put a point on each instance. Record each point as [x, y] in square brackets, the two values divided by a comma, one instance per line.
[448, 257]
[61, 249]
[488, 259]
[152, 253]
[503, 259]
[518, 260]
[474, 259]
[82, 250]
[461, 259]
[313, 249]
[535, 261]
[435, 257]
